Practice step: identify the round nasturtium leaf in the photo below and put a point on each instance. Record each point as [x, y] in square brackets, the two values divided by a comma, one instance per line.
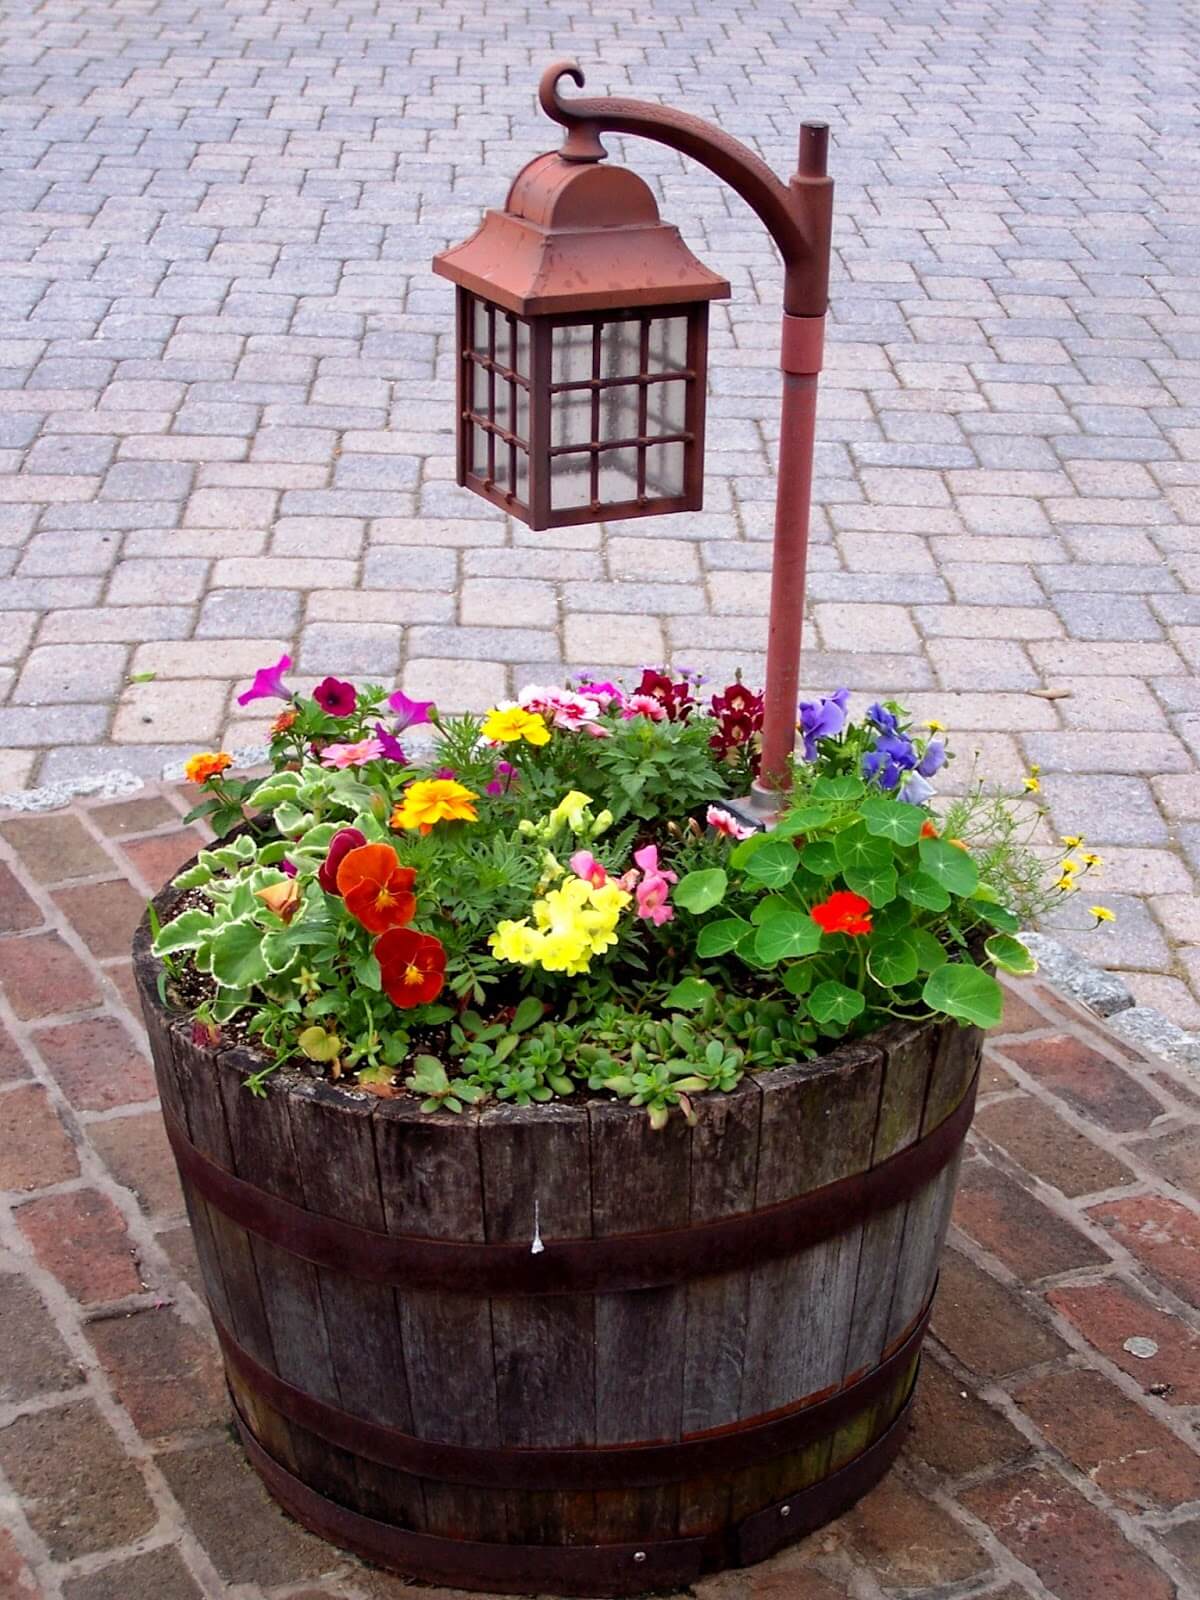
[717, 938]
[1010, 955]
[893, 962]
[786, 936]
[965, 992]
[876, 884]
[949, 866]
[892, 819]
[701, 891]
[833, 1002]
[774, 865]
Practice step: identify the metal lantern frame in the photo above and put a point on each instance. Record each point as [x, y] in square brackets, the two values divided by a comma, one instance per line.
[580, 245]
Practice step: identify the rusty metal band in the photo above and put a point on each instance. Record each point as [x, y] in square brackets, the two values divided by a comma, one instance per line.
[576, 1266]
[608, 1569]
[636, 1466]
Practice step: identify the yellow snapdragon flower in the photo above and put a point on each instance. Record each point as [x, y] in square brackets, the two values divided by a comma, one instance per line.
[573, 923]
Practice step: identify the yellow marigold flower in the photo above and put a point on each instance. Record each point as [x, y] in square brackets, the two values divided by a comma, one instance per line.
[432, 800]
[1072, 840]
[207, 764]
[505, 724]
[1102, 914]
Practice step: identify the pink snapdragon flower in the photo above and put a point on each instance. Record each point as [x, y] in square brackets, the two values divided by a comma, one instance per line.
[584, 865]
[644, 705]
[342, 756]
[722, 821]
[654, 891]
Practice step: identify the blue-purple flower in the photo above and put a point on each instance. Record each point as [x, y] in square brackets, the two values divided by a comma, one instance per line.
[880, 717]
[934, 758]
[822, 719]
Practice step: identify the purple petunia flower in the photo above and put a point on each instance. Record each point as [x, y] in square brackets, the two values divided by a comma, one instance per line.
[823, 719]
[336, 698]
[268, 683]
[391, 747]
[411, 713]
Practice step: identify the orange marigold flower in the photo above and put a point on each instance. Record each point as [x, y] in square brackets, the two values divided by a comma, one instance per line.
[207, 764]
[376, 888]
[432, 800]
[284, 720]
[412, 966]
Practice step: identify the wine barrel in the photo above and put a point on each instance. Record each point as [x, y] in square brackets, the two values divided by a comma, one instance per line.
[548, 1349]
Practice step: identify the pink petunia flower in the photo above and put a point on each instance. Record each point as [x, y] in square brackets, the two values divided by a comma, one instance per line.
[584, 865]
[342, 756]
[336, 698]
[268, 683]
[722, 821]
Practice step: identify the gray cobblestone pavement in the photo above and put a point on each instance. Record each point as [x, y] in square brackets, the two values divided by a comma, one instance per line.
[226, 385]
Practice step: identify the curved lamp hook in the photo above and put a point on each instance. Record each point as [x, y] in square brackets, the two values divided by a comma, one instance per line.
[583, 140]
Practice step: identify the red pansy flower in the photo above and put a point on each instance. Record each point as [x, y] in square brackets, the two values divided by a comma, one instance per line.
[376, 888]
[412, 966]
[340, 846]
[335, 697]
[843, 912]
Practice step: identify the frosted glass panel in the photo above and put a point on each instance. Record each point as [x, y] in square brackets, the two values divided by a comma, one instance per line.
[572, 362]
[479, 456]
[621, 349]
[570, 480]
[666, 406]
[618, 475]
[479, 389]
[522, 428]
[619, 412]
[479, 326]
[664, 470]
[522, 489]
[523, 348]
[571, 417]
[668, 344]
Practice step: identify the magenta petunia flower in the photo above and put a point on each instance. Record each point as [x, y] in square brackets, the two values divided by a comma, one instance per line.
[411, 713]
[268, 683]
[391, 747]
[336, 698]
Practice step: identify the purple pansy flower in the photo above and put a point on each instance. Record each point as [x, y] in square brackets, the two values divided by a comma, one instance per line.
[916, 791]
[882, 718]
[823, 719]
[391, 747]
[410, 713]
[933, 760]
[268, 683]
[336, 698]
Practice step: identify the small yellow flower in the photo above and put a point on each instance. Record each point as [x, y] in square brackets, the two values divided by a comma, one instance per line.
[1072, 840]
[508, 723]
[1032, 783]
[934, 725]
[1068, 867]
[1067, 884]
[1090, 861]
[1102, 914]
[432, 800]
[207, 764]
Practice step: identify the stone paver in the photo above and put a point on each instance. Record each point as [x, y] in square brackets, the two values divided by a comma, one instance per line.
[1048, 1460]
[226, 377]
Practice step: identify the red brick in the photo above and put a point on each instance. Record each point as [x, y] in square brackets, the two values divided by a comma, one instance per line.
[120, 975]
[1077, 1552]
[55, 848]
[1017, 1228]
[17, 910]
[1020, 1015]
[788, 1577]
[141, 814]
[36, 1149]
[1050, 1148]
[157, 1575]
[80, 1237]
[1162, 1234]
[41, 976]
[1176, 1156]
[954, 1431]
[13, 1065]
[165, 1374]
[992, 1077]
[1089, 1082]
[16, 1580]
[161, 856]
[1180, 1091]
[104, 915]
[96, 1062]
[79, 1491]
[908, 1542]
[33, 1358]
[989, 1328]
[1131, 1456]
[1108, 1313]
[136, 1152]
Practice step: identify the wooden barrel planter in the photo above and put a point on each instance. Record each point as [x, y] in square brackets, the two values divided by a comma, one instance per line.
[548, 1349]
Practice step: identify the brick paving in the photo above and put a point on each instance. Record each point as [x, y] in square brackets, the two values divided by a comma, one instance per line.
[1048, 1459]
[226, 391]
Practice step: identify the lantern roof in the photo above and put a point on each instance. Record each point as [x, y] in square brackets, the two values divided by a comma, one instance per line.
[578, 236]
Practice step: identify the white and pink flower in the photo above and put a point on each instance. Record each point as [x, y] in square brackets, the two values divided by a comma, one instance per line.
[562, 708]
[644, 705]
[722, 821]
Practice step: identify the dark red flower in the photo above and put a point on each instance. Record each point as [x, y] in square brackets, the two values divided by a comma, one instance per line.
[376, 888]
[343, 841]
[412, 966]
[843, 912]
[676, 699]
[336, 698]
[739, 717]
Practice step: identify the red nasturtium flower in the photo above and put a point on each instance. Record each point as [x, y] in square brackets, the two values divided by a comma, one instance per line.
[843, 912]
[412, 966]
[928, 831]
[376, 888]
[340, 846]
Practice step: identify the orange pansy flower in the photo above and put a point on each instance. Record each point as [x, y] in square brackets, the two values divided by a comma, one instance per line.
[376, 888]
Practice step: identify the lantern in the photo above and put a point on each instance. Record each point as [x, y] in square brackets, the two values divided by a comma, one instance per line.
[582, 336]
